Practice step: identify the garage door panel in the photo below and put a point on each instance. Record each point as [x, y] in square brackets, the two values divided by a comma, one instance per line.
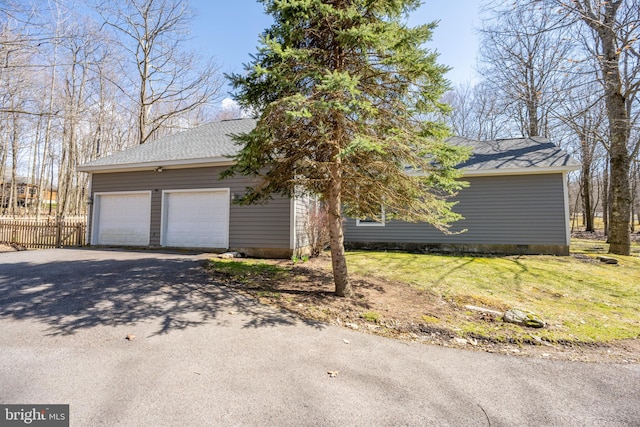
[196, 219]
[123, 219]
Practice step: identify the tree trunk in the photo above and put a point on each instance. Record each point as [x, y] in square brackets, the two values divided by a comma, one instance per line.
[336, 234]
[619, 129]
[3, 163]
[634, 196]
[532, 103]
[619, 238]
[586, 196]
[13, 198]
[620, 161]
[605, 199]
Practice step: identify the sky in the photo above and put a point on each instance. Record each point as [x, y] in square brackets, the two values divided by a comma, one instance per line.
[229, 31]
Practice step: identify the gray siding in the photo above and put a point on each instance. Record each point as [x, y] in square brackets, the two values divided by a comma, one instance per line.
[256, 226]
[498, 210]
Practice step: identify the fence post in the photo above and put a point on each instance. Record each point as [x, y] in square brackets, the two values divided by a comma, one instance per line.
[81, 228]
[59, 233]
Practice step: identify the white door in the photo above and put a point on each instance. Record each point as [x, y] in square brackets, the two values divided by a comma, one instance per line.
[122, 219]
[196, 219]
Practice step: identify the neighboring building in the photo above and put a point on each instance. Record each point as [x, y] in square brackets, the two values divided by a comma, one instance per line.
[49, 197]
[167, 193]
[26, 193]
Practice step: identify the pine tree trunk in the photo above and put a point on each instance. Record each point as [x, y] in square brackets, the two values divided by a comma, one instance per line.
[336, 234]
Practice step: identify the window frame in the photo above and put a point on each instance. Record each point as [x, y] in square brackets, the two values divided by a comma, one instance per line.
[364, 222]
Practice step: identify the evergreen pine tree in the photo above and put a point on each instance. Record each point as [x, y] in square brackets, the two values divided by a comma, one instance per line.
[348, 100]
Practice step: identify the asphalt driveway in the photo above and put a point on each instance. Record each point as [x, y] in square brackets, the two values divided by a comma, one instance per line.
[204, 355]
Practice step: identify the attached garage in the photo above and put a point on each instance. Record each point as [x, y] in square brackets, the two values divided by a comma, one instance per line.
[122, 218]
[177, 199]
[195, 218]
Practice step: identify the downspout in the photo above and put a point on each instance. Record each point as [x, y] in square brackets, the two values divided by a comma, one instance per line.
[90, 218]
[292, 226]
[567, 219]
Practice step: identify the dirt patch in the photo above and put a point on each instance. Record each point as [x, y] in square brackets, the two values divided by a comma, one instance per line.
[397, 310]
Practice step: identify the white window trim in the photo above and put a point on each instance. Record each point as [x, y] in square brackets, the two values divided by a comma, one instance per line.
[381, 223]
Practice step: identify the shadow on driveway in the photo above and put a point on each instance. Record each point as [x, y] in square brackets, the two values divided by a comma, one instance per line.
[72, 290]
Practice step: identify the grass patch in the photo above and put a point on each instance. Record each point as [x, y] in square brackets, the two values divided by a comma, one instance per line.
[248, 271]
[424, 296]
[370, 316]
[587, 246]
[582, 300]
[268, 294]
[430, 319]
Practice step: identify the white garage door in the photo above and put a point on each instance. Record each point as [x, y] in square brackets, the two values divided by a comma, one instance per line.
[196, 219]
[122, 219]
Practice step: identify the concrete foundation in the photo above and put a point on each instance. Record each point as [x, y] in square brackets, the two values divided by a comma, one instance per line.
[501, 249]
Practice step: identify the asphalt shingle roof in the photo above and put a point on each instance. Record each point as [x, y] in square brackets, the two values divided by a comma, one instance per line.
[212, 143]
[514, 153]
[207, 142]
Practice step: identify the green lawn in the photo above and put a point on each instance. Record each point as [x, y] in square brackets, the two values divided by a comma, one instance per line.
[581, 300]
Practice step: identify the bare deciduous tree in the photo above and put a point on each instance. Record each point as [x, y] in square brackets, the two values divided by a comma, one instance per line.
[62, 81]
[524, 62]
[166, 80]
[477, 112]
[615, 31]
[583, 112]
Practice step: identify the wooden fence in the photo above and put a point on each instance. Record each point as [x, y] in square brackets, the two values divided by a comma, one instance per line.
[43, 233]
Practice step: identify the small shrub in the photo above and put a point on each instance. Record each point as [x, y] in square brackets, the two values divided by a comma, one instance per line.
[317, 228]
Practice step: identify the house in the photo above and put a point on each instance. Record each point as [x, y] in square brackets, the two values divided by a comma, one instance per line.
[167, 193]
[26, 193]
[516, 203]
[49, 197]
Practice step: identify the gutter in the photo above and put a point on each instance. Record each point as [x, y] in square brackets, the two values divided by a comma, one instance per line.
[153, 165]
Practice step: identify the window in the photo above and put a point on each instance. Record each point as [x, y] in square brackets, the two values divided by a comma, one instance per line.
[371, 222]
